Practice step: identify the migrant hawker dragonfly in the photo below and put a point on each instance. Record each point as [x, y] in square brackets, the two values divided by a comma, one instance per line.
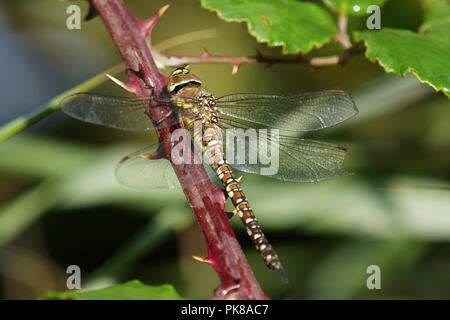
[301, 160]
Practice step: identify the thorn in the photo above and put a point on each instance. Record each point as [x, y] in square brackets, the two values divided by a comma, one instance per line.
[235, 68]
[226, 291]
[139, 59]
[147, 25]
[120, 83]
[143, 156]
[239, 179]
[163, 9]
[143, 68]
[259, 55]
[155, 155]
[198, 258]
[205, 53]
[203, 260]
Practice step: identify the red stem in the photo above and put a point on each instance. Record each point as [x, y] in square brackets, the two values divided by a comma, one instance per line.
[206, 200]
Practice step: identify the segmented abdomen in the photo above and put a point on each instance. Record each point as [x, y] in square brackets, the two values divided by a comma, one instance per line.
[213, 153]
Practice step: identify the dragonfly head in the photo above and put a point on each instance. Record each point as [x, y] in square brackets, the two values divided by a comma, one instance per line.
[181, 77]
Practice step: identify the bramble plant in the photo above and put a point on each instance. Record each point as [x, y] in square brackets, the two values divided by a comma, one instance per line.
[300, 28]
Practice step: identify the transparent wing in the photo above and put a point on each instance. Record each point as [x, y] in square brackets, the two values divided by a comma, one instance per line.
[136, 171]
[284, 157]
[115, 112]
[297, 112]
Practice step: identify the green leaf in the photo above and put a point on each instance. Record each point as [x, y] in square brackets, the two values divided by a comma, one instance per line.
[400, 51]
[424, 54]
[297, 26]
[352, 7]
[132, 290]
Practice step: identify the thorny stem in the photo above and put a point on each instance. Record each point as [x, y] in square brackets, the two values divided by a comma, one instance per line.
[342, 37]
[344, 40]
[206, 200]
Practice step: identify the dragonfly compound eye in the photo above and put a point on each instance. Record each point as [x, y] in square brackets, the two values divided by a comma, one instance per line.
[180, 70]
[178, 80]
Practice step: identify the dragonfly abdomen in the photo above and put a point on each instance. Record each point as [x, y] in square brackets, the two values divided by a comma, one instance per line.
[245, 212]
[214, 151]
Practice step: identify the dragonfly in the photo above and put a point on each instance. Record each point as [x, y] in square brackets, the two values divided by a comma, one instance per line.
[301, 160]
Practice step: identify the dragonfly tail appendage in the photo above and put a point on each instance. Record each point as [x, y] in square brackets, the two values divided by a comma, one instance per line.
[245, 212]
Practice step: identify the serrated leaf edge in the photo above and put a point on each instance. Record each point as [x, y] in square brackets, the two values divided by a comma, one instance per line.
[313, 45]
[390, 70]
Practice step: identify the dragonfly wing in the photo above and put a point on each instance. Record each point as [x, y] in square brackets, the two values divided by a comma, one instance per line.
[116, 112]
[287, 158]
[297, 112]
[137, 171]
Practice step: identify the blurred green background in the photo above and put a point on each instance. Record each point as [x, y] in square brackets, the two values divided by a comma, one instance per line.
[61, 205]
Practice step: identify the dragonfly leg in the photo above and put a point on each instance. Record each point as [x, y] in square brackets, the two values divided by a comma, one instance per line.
[180, 120]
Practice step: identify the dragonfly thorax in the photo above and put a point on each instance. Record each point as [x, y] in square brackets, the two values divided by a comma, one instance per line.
[196, 102]
[197, 105]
